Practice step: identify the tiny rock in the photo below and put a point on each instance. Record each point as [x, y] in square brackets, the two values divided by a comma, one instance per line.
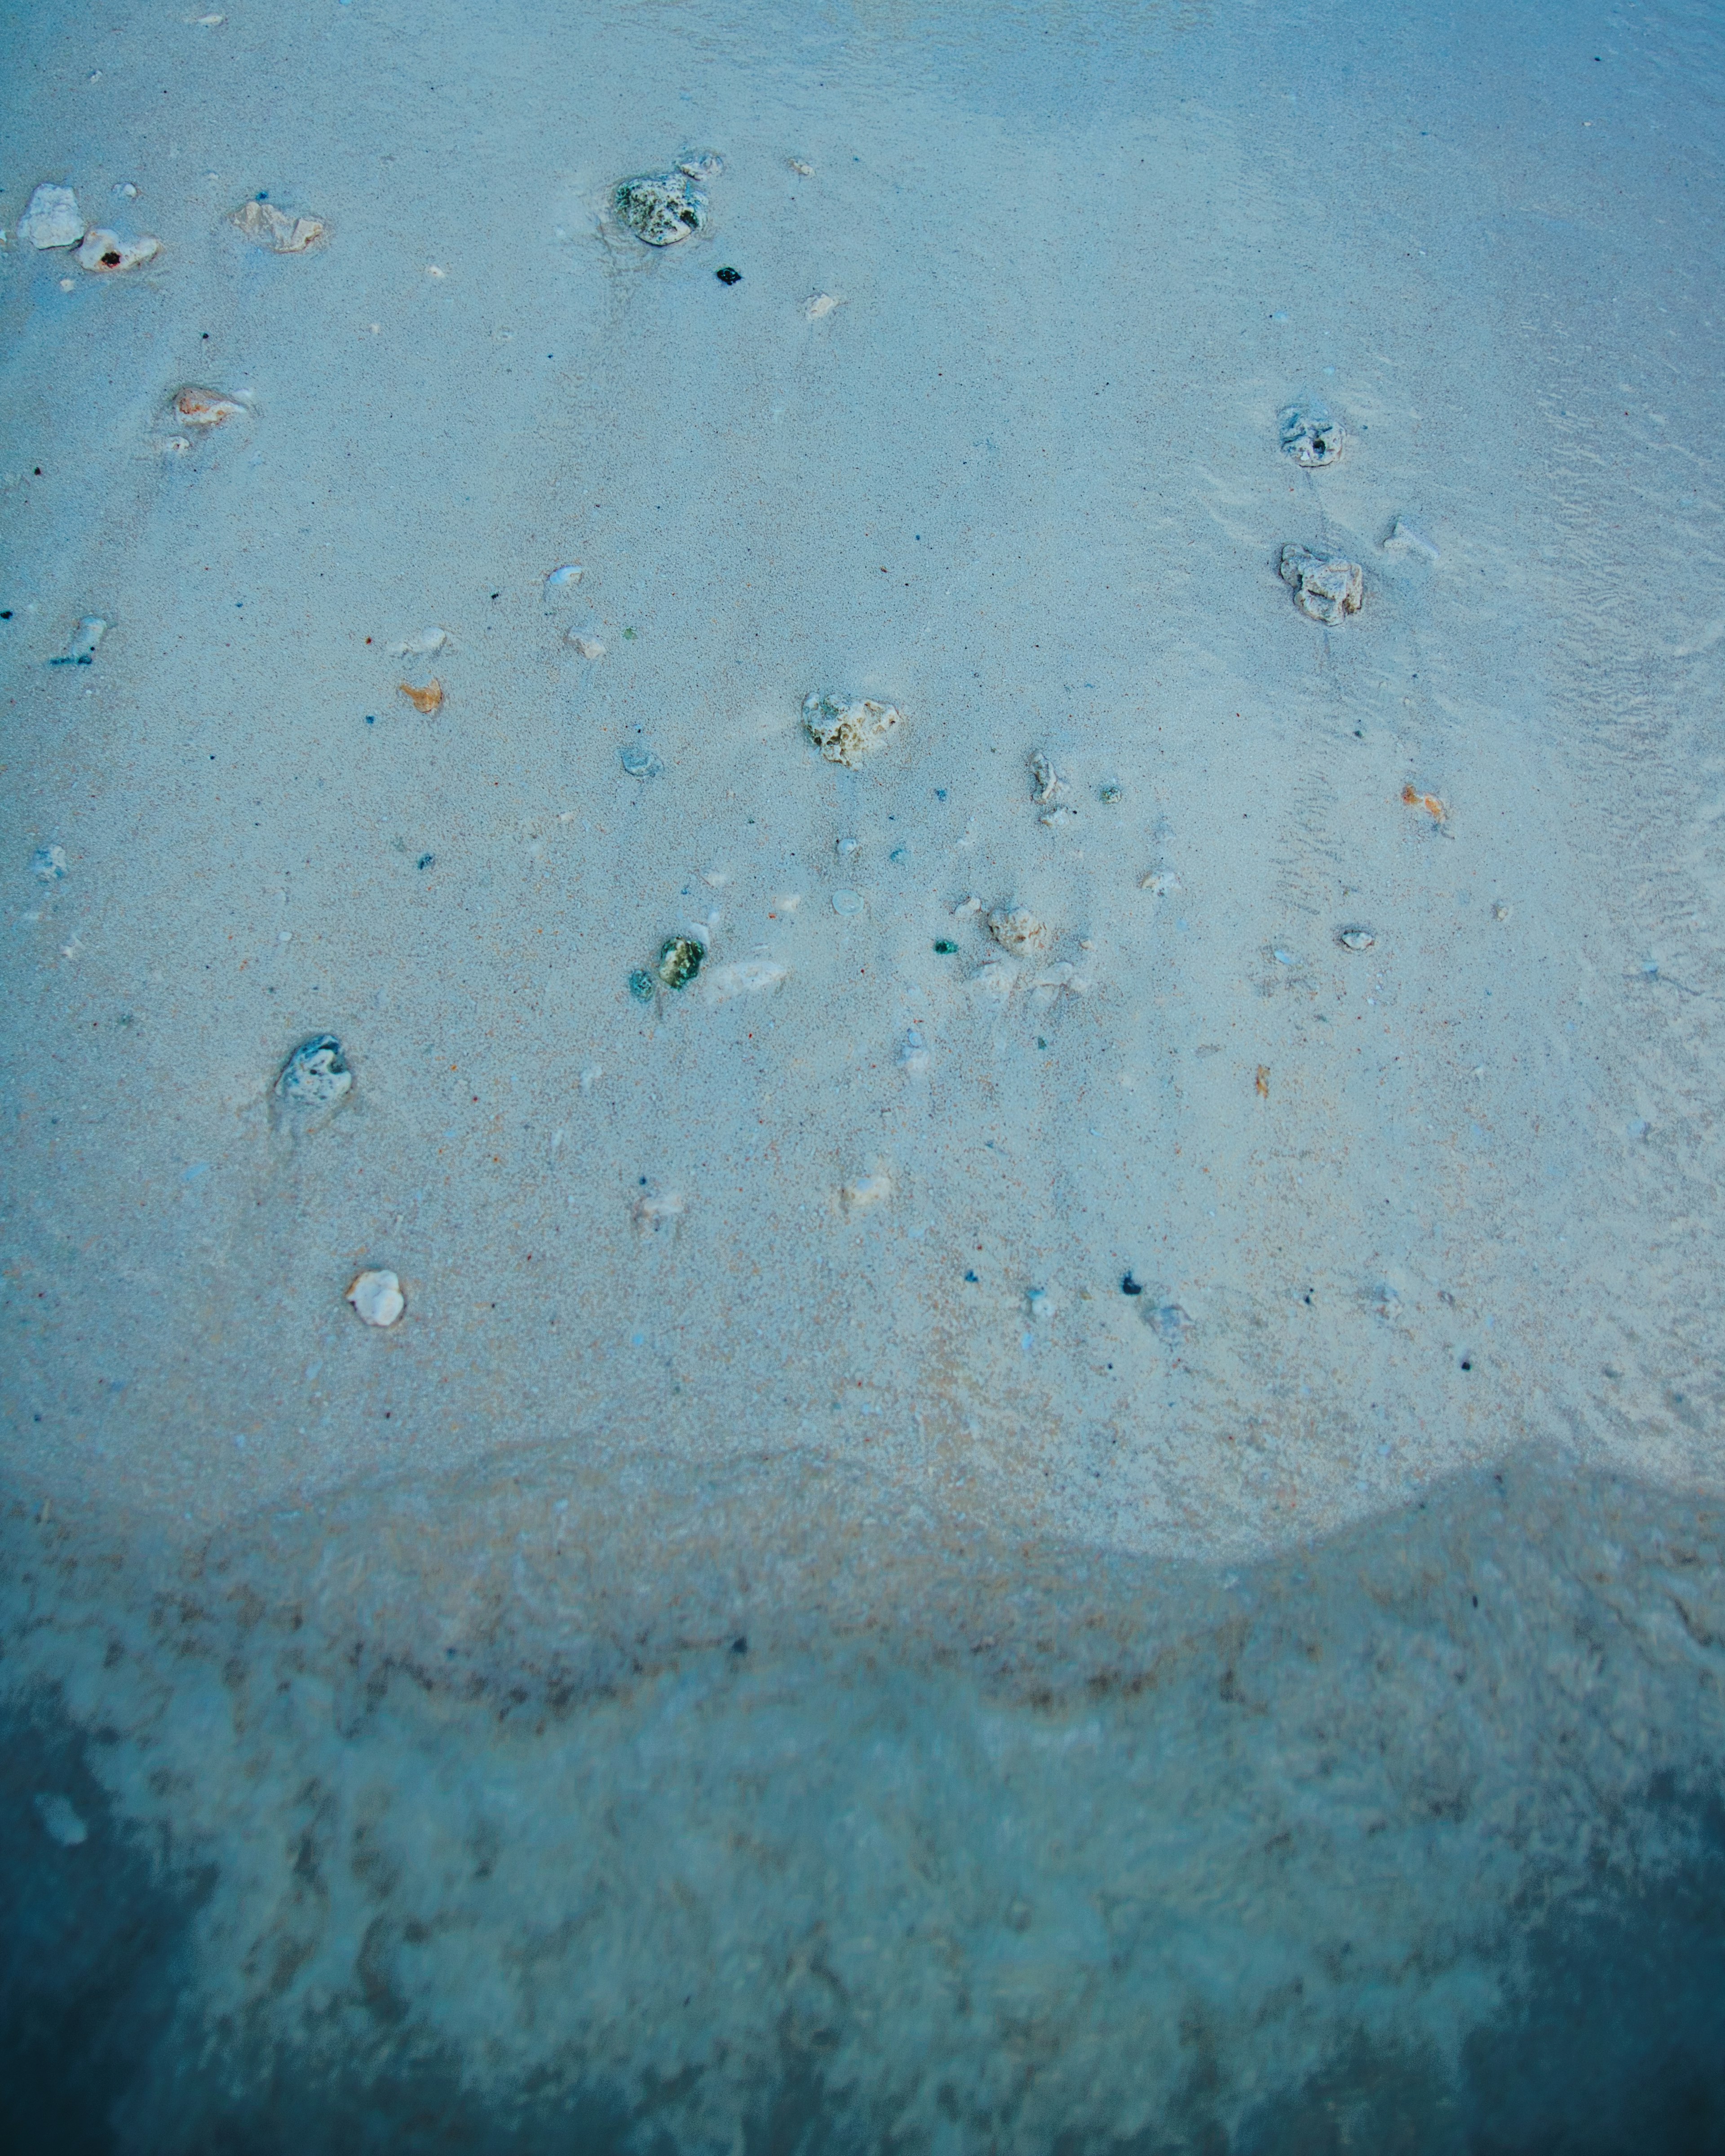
[844, 732]
[105, 251]
[1326, 587]
[679, 960]
[564, 578]
[205, 408]
[1310, 435]
[1043, 1305]
[913, 1052]
[1434, 806]
[53, 218]
[376, 1296]
[266, 226]
[1018, 931]
[429, 699]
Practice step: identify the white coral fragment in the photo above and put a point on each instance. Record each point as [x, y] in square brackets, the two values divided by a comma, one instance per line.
[53, 218]
[844, 732]
[1018, 931]
[266, 226]
[1326, 587]
[106, 254]
[378, 1298]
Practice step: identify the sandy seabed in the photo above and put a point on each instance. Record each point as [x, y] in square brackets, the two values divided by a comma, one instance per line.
[1105, 1540]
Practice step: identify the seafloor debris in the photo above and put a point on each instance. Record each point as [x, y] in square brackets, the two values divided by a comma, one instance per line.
[48, 864]
[640, 985]
[315, 1075]
[843, 732]
[945, 948]
[820, 304]
[430, 639]
[867, 1191]
[913, 1052]
[640, 761]
[1047, 784]
[1404, 539]
[847, 901]
[1042, 1304]
[1326, 587]
[1260, 1084]
[728, 275]
[105, 252]
[1431, 803]
[53, 218]
[563, 577]
[429, 699]
[266, 226]
[679, 960]
[204, 407]
[1170, 1320]
[80, 650]
[1110, 793]
[582, 645]
[1311, 435]
[743, 977]
[1355, 939]
[378, 1297]
[663, 207]
[1018, 930]
[656, 1208]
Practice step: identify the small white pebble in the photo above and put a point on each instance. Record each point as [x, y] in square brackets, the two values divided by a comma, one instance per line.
[378, 1297]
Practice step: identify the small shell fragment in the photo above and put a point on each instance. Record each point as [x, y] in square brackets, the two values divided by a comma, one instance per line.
[657, 1209]
[660, 207]
[80, 650]
[1355, 939]
[1326, 587]
[820, 304]
[1018, 932]
[376, 1296]
[562, 579]
[204, 407]
[315, 1075]
[1311, 435]
[266, 226]
[640, 763]
[1045, 782]
[53, 218]
[105, 252]
[743, 977]
[584, 647]
[679, 960]
[429, 699]
[48, 864]
[430, 639]
[1430, 803]
[847, 901]
[913, 1052]
[843, 732]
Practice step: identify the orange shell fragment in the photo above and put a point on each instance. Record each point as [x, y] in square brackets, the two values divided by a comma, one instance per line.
[1263, 1081]
[427, 699]
[1428, 801]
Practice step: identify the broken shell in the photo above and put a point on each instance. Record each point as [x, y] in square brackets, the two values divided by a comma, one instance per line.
[847, 901]
[661, 208]
[656, 1210]
[266, 226]
[584, 647]
[421, 646]
[1018, 931]
[1430, 803]
[48, 862]
[80, 650]
[800, 165]
[640, 763]
[1326, 587]
[1047, 784]
[679, 960]
[378, 1297]
[429, 699]
[743, 977]
[821, 303]
[562, 579]
[53, 218]
[104, 251]
[1355, 939]
[913, 1052]
[315, 1075]
[1310, 435]
[842, 732]
[205, 408]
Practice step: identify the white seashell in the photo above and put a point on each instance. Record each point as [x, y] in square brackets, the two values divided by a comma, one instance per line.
[53, 218]
[562, 579]
[821, 303]
[743, 977]
[378, 1297]
[105, 252]
[847, 901]
[422, 645]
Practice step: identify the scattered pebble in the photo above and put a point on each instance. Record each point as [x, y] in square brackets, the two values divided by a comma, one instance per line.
[1404, 539]
[664, 207]
[1310, 435]
[847, 901]
[821, 303]
[376, 1296]
[728, 275]
[843, 732]
[640, 763]
[583, 647]
[80, 651]
[743, 977]
[420, 646]
[1355, 939]
[429, 699]
[53, 218]
[266, 226]
[60, 1822]
[867, 1191]
[205, 408]
[562, 579]
[679, 960]
[48, 862]
[1128, 1286]
[1326, 587]
[1430, 803]
[105, 252]
[1018, 932]
[315, 1075]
